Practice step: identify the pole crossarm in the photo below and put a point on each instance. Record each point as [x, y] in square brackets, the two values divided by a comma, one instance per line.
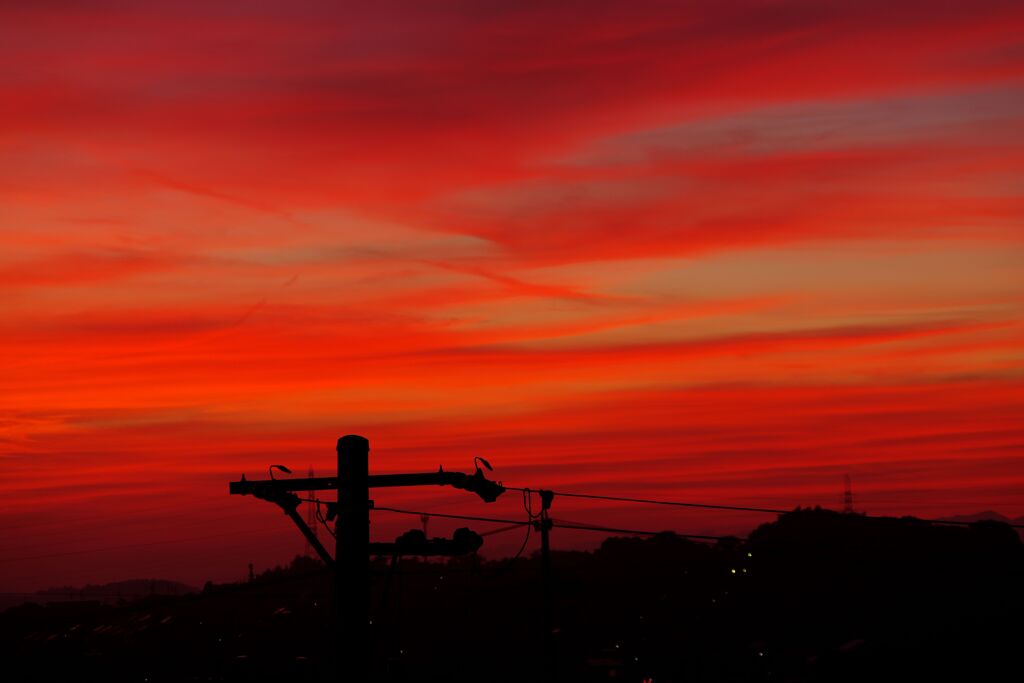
[476, 483]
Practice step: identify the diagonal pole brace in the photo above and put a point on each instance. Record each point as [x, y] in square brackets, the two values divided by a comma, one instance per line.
[289, 502]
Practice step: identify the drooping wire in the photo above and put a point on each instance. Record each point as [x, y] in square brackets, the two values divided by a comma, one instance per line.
[528, 506]
[320, 518]
[562, 524]
[511, 523]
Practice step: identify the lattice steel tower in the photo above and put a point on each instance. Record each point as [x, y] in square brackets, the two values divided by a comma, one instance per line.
[847, 495]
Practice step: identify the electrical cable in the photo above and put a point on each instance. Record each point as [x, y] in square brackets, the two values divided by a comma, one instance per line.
[320, 518]
[639, 532]
[560, 525]
[501, 530]
[738, 508]
[623, 499]
[470, 518]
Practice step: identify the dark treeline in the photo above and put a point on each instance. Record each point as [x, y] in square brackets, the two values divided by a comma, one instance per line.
[814, 596]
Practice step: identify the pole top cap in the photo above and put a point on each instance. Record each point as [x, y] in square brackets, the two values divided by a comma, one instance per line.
[353, 442]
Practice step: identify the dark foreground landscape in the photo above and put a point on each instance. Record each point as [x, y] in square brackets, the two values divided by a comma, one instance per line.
[814, 596]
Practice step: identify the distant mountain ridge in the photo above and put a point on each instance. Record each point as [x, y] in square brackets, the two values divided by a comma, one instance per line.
[129, 588]
[985, 516]
[988, 516]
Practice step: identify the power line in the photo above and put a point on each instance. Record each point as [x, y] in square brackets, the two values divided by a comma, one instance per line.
[510, 522]
[638, 532]
[579, 527]
[322, 520]
[675, 503]
[739, 508]
[528, 508]
[501, 530]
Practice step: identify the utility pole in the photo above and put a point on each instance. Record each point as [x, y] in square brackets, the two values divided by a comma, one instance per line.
[352, 557]
[351, 516]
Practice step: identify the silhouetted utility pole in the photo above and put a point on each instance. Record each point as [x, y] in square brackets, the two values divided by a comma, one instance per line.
[847, 494]
[352, 531]
[352, 554]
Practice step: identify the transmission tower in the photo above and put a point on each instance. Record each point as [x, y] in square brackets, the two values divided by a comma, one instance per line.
[847, 495]
[311, 523]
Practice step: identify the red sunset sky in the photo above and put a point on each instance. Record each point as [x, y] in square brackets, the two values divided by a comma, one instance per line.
[720, 252]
